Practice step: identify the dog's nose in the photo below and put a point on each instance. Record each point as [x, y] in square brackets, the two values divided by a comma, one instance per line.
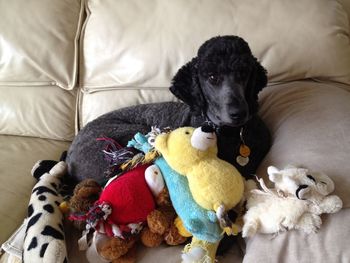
[207, 129]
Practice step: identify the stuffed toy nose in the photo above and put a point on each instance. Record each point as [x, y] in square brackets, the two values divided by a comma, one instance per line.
[207, 129]
[202, 140]
[302, 191]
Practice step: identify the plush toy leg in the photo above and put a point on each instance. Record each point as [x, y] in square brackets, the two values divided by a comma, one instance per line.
[92, 254]
[181, 228]
[199, 252]
[309, 223]
[55, 252]
[129, 257]
[41, 167]
[225, 222]
[249, 229]
[154, 179]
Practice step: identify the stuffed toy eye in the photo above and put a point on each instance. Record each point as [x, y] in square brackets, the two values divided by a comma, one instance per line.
[151, 140]
[311, 178]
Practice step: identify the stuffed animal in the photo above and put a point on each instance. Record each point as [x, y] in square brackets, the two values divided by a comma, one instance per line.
[44, 239]
[199, 222]
[215, 185]
[132, 206]
[298, 199]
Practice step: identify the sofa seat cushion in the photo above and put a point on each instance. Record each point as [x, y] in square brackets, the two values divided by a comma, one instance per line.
[310, 124]
[330, 244]
[17, 157]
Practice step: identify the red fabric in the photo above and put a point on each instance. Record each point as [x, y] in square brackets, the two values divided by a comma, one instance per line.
[130, 197]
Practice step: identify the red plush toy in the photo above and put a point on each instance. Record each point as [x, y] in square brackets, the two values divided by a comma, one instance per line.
[136, 200]
[123, 205]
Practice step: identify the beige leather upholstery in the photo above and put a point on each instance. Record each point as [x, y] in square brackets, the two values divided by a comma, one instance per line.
[95, 104]
[127, 53]
[45, 112]
[309, 125]
[38, 42]
[17, 157]
[144, 44]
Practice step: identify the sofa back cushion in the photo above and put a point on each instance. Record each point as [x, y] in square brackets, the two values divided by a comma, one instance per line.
[38, 42]
[39, 57]
[127, 43]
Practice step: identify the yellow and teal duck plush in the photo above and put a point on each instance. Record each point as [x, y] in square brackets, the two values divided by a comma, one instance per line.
[215, 184]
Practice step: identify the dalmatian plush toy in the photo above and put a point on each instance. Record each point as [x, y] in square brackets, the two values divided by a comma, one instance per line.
[44, 239]
[298, 199]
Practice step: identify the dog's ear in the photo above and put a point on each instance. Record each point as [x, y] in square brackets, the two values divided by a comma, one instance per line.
[260, 76]
[185, 86]
[257, 82]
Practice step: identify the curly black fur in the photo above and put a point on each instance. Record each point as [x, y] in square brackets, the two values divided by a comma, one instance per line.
[222, 82]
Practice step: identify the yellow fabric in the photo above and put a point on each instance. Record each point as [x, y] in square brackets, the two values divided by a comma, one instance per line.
[181, 228]
[212, 181]
[210, 249]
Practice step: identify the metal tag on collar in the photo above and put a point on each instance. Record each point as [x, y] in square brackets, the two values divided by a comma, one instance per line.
[244, 151]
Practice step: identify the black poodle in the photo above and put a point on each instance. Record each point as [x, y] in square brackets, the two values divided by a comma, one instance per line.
[219, 87]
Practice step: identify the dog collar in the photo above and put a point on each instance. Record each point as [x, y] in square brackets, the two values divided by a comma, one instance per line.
[242, 157]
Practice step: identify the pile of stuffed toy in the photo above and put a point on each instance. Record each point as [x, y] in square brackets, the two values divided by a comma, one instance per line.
[167, 186]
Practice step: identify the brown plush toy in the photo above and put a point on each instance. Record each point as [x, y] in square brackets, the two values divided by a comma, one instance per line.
[84, 196]
[159, 225]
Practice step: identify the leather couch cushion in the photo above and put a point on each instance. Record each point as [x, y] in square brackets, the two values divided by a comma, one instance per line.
[45, 111]
[93, 105]
[129, 44]
[38, 42]
[17, 156]
[310, 125]
[330, 244]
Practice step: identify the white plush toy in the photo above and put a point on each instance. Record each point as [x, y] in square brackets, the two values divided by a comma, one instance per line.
[297, 201]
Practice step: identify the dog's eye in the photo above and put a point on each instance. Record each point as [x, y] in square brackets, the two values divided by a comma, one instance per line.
[214, 79]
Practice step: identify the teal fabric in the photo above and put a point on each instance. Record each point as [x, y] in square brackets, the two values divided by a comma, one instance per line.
[199, 222]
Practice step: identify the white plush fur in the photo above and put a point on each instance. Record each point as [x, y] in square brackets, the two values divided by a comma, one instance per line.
[203, 140]
[297, 201]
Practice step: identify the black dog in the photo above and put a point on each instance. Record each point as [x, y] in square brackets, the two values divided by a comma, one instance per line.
[220, 86]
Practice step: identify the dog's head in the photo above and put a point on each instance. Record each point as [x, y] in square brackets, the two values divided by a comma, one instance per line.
[222, 82]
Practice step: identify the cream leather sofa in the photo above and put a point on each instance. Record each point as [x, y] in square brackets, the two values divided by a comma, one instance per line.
[64, 63]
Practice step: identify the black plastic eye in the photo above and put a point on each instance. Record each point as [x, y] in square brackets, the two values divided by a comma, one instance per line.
[311, 178]
[187, 132]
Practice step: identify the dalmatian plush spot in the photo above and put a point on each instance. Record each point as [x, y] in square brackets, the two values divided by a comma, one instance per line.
[44, 237]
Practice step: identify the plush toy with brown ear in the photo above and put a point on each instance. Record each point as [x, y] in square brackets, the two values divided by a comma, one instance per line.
[125, 212]
[298, 199]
